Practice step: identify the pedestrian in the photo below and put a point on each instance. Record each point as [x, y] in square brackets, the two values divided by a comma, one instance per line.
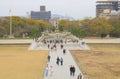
[61, 46]
[83, 43]
[58, 60]
[64, 51]
[73, 70]
[46, 70]
[51, 70]
[51, 48]
[49, 57]
[61, 61]
[48, 45]
[79, 76]
[55, 47]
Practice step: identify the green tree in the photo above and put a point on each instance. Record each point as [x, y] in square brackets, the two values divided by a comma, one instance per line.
[100, 26]
[116, 29]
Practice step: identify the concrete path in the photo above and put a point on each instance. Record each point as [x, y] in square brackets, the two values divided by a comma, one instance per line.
[69, 45]
[24, 41]
[62, 72]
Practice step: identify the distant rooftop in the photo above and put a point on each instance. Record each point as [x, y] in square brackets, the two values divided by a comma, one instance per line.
[108, 0]
[98, 1]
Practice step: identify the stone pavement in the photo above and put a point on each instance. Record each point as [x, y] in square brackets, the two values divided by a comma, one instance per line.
[69, 45]
[62, 72]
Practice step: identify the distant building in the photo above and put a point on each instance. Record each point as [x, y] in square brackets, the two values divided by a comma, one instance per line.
[42, 14]
[55, 21]
[105, 7]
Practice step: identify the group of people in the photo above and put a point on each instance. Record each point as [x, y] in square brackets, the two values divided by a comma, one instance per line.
[72, 70]
[52, 41]
[59, 61]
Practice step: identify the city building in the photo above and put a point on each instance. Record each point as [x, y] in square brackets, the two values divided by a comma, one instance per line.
[42, 14]
[105, 7]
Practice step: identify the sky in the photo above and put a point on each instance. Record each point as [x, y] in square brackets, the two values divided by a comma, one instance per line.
[78, 9]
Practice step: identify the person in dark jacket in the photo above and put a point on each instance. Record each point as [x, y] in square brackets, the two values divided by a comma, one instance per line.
[49, 57]
[61, 61]
[58, 60]
[73, 70]
[64, 51]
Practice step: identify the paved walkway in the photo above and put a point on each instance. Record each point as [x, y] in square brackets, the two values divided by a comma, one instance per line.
[69, 45]
[62, 72]
[24, 41]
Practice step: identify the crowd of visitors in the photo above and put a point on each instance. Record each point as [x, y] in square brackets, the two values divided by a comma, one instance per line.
[53, 45]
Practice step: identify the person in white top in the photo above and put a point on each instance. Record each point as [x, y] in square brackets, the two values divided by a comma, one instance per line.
[51, 70]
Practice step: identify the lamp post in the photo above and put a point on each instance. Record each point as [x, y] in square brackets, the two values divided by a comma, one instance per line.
[10, 24]
[11, 36]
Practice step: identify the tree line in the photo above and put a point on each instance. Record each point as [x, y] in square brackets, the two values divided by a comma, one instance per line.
[23, 26]
[92, 27]
[80, 28]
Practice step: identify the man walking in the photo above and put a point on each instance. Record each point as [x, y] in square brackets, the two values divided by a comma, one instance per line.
[79, 76]
[61, 61]
[58, 60]
[49, 57]
[64, 51]
[73, 70]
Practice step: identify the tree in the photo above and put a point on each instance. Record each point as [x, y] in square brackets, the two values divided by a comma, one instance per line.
[63, 25]
[116, 29]
[100, 26]
[78, 31]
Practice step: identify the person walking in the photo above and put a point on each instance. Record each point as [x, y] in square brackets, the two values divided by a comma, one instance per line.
[58, 60]
[64, 51]
[73, 70]
[51, 70]
[79, 76]
[61, 46]
[61, 61]
[48, 46]
[49, 57]
[46, 70]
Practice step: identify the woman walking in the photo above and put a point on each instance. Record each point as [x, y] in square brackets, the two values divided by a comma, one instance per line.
[46, 70]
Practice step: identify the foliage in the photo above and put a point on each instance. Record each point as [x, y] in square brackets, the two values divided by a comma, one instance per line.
[115, 22]
[79, 32]
[100, 26]
[92, 27]
[34, 33]
[21, 26]
[80, 28]
[63, 25]
[116, 30]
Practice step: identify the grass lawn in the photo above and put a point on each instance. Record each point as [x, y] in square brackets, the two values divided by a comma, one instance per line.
[18, 63]
[102, 62]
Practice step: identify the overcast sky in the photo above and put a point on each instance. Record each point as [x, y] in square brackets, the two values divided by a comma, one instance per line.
[78, 9]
